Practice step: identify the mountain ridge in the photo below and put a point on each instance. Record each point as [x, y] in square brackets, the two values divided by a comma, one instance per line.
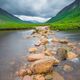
[73, 7]
[5, 16]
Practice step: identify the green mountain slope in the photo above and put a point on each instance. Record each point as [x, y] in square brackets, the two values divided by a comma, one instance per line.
[5, 17]
[69, 16]
[8, 21]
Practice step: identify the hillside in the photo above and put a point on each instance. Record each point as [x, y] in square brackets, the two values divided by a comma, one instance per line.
[8, 21]
[5, 16]
[68, 16]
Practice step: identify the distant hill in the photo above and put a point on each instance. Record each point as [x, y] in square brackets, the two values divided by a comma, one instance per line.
[5, 17]
[70, 14]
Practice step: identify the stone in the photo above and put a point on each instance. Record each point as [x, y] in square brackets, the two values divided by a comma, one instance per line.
[64, 41]
[71, 55]
[49, 77]
[44, 65]
[34, 57]
[61, 53]
[28, 71]
[48, 52]
[43, 30]
[55, 39]
[39, 77]
[71, 44]
[38, 43]
[21, 73]
[67, 68]
[32, 50]
[44, 41]
[27, 78]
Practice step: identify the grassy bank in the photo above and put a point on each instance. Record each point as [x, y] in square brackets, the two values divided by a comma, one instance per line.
[53, 26]
[64, 26]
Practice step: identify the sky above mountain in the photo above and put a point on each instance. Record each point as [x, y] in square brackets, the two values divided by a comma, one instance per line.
[39, 8]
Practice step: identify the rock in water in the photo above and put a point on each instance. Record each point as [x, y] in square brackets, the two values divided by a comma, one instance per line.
[21, 73]
[64, 41]
[55, 39]
[48, 52]
[38, 77]
[67, 68]
[34, 57]
[27, 78]
[61, 53]
[49, 77]
[71, 55]
[44, 65]
[32, 50]
[44, 41]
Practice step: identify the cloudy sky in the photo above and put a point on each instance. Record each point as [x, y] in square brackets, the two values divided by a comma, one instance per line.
[38, 8]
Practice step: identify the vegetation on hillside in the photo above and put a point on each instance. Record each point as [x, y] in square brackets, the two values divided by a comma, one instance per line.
[68, 18]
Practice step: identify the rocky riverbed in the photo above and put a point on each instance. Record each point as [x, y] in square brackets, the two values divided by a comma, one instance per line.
[50, 58]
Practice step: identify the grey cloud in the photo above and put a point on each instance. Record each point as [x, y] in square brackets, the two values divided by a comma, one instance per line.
[41, 8]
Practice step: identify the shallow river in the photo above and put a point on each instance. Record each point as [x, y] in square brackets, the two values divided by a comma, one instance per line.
[13, 49]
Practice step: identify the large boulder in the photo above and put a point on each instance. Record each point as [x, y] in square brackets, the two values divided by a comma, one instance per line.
[34, 57]
[61, 53]
[44, 65]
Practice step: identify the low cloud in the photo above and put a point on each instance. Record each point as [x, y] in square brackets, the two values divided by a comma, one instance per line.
[41, 8]
[32, 18]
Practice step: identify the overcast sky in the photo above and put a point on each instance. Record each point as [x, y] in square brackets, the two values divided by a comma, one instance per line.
[40, 8]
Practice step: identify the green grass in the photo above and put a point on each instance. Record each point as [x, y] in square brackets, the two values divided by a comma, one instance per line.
[18, 25]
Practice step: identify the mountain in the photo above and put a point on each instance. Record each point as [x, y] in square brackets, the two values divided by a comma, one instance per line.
[70, 14]
[5, 17]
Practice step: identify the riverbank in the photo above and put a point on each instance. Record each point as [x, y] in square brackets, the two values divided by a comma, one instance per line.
[53, 26]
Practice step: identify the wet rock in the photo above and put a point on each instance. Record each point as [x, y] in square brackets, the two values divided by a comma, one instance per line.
[64, 41]
[71, 44]
[61, 53]
[38, 77]
[55, 40]
[27, 78]
[49, 77]
[21, 73]
[32, 50]
[57, 76]
[44, 65]
[34, 57]
[38, 43]
[28, 71]
[48, 52]
[71, 55]
[67, 68]
[42, 30]
[44, 41]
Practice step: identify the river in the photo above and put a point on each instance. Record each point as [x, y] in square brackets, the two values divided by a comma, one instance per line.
[14, 46]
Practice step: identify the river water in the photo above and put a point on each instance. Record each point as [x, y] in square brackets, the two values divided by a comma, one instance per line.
[13, 49]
